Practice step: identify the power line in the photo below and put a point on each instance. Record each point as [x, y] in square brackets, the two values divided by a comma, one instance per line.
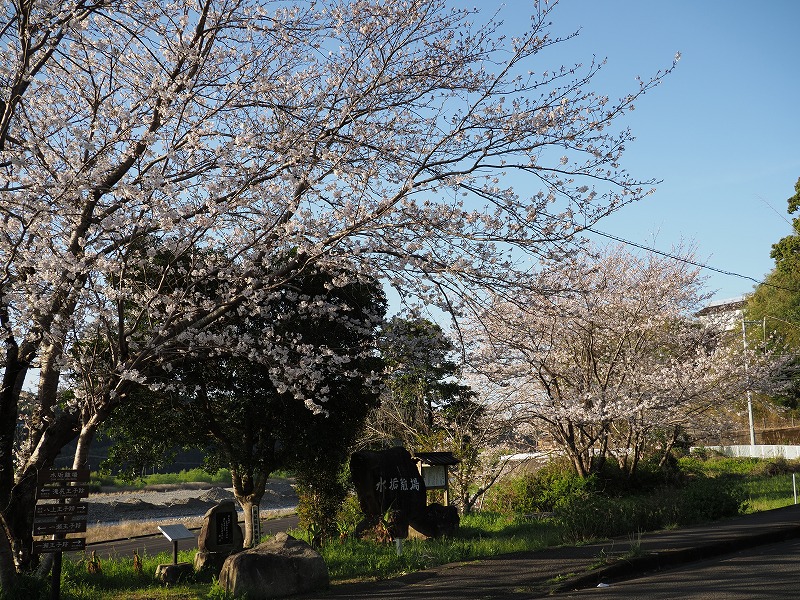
[781, 215]
[683, 259]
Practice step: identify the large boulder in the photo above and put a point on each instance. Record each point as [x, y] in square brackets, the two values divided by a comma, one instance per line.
[388, 482]
[280, 567]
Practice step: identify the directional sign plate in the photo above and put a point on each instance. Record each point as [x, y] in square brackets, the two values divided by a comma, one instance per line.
[51, 493]
[63, 475]
[61, 510]
[49, 546]
[64, 527]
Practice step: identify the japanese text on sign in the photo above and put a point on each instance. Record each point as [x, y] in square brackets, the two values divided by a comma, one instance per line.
[48, 493]
[394, 484]
[70, 545]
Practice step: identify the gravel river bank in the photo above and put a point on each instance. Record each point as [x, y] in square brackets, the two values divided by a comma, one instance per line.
[161, 502]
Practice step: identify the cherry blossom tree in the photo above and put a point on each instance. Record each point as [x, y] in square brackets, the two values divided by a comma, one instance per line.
[379, 132]
[610, 359]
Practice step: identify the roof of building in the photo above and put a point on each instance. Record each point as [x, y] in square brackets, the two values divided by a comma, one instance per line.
[434, 459]
[722, 306]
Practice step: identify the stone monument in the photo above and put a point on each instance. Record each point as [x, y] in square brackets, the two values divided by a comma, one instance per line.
[219, 537]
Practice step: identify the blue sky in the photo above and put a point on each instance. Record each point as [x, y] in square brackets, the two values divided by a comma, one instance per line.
[721, 132]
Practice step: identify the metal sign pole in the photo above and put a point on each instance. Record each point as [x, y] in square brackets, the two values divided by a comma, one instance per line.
[55, 584]
[68, 518]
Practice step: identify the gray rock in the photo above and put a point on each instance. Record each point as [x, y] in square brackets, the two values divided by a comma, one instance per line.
[170, 574]
[280, 567]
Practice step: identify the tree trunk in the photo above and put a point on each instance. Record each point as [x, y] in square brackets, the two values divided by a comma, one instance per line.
[14, 371]
[9, 397]
[8, 573]
[247, 503]
[85, 438]
[248, 489]
[669, 446]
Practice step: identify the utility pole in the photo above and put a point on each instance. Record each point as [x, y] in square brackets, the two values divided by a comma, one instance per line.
[747, 376]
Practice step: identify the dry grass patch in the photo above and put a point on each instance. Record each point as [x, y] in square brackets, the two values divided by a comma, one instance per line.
[104, 532]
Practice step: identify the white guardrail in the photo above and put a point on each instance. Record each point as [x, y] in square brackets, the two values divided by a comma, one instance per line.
[759, 451]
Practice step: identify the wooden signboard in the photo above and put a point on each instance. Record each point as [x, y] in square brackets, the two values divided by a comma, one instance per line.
[59, 527]
[57, 493]
[55, 484]
[62, 510]
[50, 546]
[63, 476]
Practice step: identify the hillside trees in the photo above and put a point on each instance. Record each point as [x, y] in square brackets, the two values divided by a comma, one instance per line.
[776, 303]
[233, 132]
[611, 362]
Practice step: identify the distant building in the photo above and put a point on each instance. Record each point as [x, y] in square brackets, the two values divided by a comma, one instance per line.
[725, 313]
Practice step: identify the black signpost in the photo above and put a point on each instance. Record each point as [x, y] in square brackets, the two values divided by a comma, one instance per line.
[54, 484]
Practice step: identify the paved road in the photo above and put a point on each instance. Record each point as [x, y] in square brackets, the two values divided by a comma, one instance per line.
[562, 569]
[764, 572]
[158, 543]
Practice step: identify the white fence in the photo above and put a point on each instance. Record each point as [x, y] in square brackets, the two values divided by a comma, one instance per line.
[759, 451]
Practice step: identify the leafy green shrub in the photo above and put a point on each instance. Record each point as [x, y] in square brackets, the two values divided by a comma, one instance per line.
[599, 516]
[348, 516]
[776, 466]
[594, 515]
[730, 465]
[321, 492]
[709, 499]
[538, 492]
[219, 477]
[743, 466]
[511, 495]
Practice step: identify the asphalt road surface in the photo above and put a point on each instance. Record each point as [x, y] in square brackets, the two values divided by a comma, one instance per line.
[771, 571]
[157, 543]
